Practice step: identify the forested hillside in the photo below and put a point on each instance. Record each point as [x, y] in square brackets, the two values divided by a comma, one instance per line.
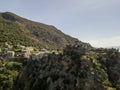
[76, 69]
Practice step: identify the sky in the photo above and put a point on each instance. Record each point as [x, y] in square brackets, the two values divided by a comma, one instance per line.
[93, 21]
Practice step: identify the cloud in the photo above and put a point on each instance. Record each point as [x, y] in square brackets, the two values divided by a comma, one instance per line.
[114, 41]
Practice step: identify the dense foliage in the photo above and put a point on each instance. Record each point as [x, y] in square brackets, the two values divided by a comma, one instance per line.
[8, 72]
[76, 69]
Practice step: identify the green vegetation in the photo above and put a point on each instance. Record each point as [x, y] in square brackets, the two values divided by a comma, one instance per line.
[17, 30]
[77, 68]
[8, 72]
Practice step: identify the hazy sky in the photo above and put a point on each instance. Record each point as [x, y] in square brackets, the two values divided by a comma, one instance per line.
[93, 21]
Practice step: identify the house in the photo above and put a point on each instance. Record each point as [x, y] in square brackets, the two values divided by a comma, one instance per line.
[38, 56]
[6, 45]
[9, 54]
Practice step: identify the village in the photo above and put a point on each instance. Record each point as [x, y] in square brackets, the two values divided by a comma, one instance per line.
[17, 52]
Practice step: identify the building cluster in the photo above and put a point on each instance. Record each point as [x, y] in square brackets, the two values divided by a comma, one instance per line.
[20, 51]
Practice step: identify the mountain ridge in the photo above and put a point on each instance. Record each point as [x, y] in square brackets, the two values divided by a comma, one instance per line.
[78, 66]
[28, 31]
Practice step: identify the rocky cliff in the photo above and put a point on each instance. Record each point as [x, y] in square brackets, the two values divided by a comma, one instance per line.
[75, 69]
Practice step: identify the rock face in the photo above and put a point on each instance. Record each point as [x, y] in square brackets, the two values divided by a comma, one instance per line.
[75, 69]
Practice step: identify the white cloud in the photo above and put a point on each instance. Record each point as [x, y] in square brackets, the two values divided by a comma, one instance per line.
[114, 41]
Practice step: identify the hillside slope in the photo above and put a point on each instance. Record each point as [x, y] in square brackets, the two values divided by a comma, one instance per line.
[75, 69]
[18, 30]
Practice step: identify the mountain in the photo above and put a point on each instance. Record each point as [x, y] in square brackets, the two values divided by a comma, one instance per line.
[17, 30]
[77, 67]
